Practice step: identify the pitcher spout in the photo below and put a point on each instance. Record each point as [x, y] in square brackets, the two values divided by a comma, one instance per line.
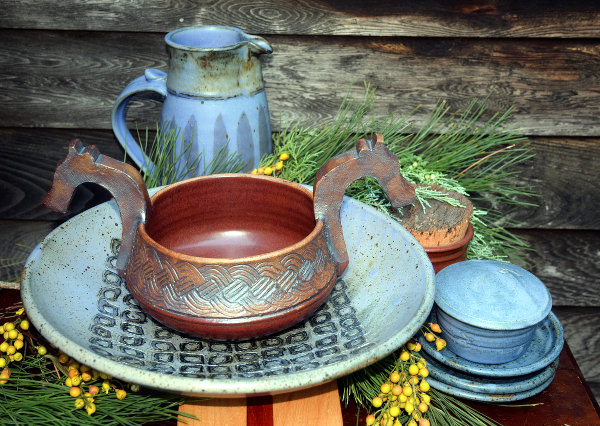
[258, 45]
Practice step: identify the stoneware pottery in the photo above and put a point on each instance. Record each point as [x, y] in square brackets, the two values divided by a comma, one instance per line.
[376, 306]
[231, 256]
[488, 385]
[546, 343]
[452, 253]
[489, 310]
[214, 97]
[484, 397]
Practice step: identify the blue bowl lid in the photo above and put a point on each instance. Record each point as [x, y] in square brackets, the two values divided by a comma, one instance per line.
[492, 295]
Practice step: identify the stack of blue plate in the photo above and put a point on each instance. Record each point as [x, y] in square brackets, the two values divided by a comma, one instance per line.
[503, 340]
[528, 375]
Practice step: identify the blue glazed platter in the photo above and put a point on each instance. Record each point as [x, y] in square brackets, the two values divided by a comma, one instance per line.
[546, 345]
[377, 305]
[489, 385]
[484, 397]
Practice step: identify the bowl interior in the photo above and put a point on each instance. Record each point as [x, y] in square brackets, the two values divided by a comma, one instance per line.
[231, 216]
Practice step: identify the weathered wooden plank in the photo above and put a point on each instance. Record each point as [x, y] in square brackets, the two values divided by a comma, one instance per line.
[560, 174]
[570, 285]
[332, 17]
[595, 387]
[27, 163]
[18, 239]
[567, 262]
[565, 176]
[574, 286]
[71, 79]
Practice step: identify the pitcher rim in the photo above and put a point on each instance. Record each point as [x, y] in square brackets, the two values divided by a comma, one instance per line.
[171, 43]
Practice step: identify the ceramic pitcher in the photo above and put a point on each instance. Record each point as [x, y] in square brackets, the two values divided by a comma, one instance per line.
[213, 96]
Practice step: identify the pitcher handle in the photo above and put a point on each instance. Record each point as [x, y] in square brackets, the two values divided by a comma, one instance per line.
[153, 80]
[87, 164]
[371, 158]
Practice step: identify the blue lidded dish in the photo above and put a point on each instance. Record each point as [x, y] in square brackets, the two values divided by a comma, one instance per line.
[489, 310]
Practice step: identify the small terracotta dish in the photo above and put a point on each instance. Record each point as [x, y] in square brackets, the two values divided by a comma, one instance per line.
[231, 256]
[489, 310]
[447, 255]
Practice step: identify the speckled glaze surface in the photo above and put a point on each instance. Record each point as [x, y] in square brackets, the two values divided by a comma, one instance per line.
[488, 385]
[376, 306]
[489, 309]
[484, 397]
[546, 344]
[492, 295]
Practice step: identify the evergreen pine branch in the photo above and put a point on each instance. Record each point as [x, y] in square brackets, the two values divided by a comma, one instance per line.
[174, 160]
[35, 392]
[460, 152]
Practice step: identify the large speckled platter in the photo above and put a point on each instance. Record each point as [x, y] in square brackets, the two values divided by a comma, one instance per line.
[75, 298]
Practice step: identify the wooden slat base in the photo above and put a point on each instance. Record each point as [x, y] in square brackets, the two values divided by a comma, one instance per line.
[318, 405]
[221, 411]
[315, 406]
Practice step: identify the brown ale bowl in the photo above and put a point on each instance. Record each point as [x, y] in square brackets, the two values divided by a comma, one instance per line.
[231, 256]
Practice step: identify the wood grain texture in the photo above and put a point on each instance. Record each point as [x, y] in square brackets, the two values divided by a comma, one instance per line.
[319, 405]
[67, 79]
[330, 17]
[574, 287]
[565, 175]
[440, 224]
[565, 403]
[595, 387]
[63, 65]
[18, 239]
[27, 163]
[567, 262]
[221, 411]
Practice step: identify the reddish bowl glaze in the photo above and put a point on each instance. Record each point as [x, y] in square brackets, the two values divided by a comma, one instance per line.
[231, 256]
[446, 255]
[228, 253]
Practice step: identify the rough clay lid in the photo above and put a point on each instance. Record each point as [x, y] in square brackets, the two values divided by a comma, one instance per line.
[492, 295]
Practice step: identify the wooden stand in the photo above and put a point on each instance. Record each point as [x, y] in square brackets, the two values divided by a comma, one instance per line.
[318, 405]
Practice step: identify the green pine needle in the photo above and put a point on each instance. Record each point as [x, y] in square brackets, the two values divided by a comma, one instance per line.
[171, 165]
[35, 393]
[463, 152]
[460, 152]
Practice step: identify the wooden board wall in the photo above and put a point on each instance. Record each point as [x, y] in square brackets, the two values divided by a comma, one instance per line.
[63, 64]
